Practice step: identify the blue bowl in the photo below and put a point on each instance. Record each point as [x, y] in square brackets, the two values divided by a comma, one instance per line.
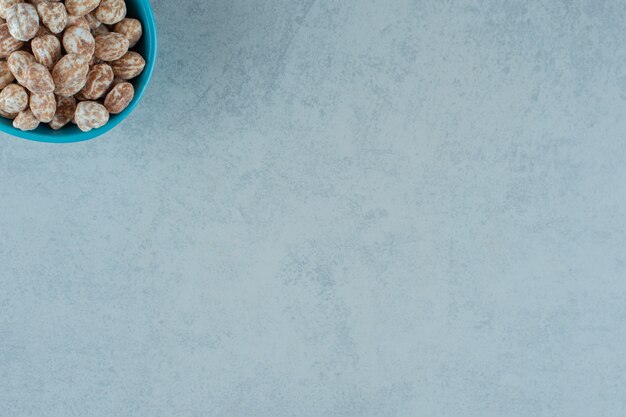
[147, 47]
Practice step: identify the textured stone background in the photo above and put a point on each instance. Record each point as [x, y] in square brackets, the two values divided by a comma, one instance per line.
[333, 208]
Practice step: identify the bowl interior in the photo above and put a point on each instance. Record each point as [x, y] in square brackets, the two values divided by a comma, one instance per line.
[147, 47]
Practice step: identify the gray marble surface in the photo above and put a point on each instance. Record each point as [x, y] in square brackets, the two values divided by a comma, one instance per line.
[333, 208]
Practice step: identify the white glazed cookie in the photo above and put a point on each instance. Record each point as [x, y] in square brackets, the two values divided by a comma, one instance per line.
[90, 115]
[43, 106]
[23, 21]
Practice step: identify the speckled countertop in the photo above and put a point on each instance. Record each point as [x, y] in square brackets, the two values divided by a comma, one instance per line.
[333, 208]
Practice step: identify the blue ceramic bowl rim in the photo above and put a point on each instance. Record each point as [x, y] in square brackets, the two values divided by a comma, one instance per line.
[73, 134]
